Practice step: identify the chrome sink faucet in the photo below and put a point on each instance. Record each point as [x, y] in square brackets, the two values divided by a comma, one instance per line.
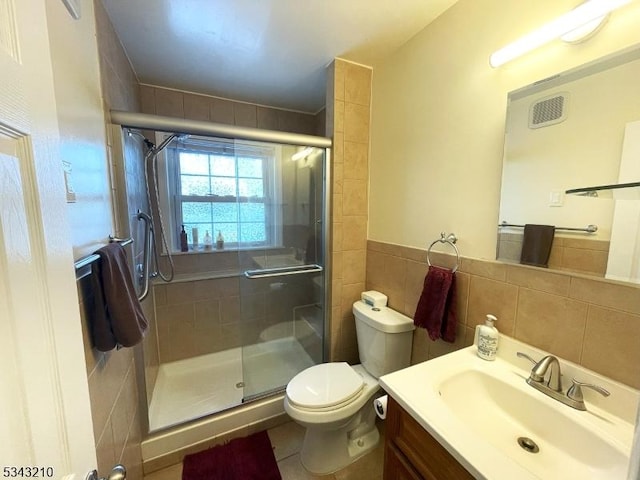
[552, 386]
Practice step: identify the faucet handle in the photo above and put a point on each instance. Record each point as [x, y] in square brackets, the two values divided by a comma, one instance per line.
[524, 355]
[575, 390]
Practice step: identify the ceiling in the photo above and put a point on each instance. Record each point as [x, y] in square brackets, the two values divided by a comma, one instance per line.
[269, 52]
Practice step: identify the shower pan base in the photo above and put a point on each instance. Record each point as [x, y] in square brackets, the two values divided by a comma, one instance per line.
[192, 388]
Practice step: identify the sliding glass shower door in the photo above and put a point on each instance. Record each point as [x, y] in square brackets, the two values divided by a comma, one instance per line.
[282, 286]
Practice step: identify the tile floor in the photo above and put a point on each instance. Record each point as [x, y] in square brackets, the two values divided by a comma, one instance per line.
[286, 440]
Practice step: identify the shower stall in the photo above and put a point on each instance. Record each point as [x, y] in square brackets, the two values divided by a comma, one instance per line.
[238, 294]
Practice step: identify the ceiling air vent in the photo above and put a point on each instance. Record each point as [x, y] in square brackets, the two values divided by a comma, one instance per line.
[548, 111]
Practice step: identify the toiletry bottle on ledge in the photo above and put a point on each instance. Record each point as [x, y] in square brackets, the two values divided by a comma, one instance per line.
[184, 246]
[488, 338]
[219, 241]
[194, 237]
[206, 240]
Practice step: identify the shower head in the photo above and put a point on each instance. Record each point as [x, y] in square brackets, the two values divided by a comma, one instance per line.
[149, 144]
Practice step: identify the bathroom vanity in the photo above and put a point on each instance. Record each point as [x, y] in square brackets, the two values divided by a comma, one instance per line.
[410, 452]
[460, 417]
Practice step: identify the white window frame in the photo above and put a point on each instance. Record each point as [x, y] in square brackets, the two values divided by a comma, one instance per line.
[171, 198]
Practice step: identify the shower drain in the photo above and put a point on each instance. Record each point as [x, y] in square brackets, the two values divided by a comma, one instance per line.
[529, 445]
[240, 385]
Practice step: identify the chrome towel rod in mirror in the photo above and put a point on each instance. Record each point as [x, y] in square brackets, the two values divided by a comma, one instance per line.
[89, 259]
[450, 239]
[588, 229]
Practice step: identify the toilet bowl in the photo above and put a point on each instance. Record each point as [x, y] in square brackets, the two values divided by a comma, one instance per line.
[334, 401]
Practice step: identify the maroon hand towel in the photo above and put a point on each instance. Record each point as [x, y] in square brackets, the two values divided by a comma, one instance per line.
[536, 244]
[436, 310]
[118, 318]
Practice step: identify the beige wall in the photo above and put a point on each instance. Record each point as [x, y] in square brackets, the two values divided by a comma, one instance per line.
[594, 323]
[438, 118]
[348, 114]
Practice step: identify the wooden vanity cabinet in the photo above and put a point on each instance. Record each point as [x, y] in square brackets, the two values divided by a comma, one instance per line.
[411, 453]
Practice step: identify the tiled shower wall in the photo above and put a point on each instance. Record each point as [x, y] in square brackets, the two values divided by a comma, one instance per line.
[592, 322]
[204, 315]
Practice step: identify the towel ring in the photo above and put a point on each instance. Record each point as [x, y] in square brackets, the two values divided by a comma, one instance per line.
[450, 239]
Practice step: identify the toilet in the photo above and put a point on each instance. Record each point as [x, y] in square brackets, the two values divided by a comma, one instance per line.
[334, 401]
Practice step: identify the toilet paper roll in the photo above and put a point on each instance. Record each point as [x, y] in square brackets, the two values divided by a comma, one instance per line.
[380, 406]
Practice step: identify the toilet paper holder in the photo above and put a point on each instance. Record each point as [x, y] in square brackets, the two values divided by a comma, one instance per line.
[380, 406]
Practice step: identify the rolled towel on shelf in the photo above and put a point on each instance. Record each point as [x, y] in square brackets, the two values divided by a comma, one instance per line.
[118, 319]
[536, 244]
[436, 310]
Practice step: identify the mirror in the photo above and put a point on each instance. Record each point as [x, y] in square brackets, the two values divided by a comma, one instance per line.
[577, 129]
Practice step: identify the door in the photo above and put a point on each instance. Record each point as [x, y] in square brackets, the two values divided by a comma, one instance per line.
[282, 304]
[45, 418]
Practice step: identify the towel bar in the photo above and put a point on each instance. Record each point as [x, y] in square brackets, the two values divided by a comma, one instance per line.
[588, 229]
[450, 239]
[89, 259]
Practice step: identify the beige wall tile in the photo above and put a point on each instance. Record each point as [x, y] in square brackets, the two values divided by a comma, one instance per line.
[611, 345]
[337, 177]
[337, 153]
[463, 282]
[147, 99]
[583, 260]
[338, 117]
[356, 166]
[354, 232]
[336, 207]
[339, 67]
[245, 115]
[356, 123]
[337, 236]
[551, 322]
[169, 103]
[357, 84]
[336, 265]
[497, 298]
[353, 266]
[221, 111]
[355, 198]
[375, 267]
[538, 279]
[267, 118]
[487, 269]
[196, 107]
[606, 294]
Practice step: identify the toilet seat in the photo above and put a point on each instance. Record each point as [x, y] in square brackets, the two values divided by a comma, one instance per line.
[325, 386]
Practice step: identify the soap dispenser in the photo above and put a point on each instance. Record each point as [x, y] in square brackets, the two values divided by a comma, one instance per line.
[219, 241]
[488, 338]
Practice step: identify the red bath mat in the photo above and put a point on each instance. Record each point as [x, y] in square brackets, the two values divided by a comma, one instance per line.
[248, 458]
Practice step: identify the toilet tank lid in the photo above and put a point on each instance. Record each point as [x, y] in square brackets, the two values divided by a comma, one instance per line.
[383, 319]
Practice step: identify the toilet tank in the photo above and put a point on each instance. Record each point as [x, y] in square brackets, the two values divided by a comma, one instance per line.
[384, 338]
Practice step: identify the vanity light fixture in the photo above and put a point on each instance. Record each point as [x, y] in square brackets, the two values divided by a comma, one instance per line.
[587, 12]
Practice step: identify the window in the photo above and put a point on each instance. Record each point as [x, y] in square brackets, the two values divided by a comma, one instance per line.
[225, 186]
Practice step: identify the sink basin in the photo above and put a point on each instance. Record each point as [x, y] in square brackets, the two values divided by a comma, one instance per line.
[479, 410]
[502, 413]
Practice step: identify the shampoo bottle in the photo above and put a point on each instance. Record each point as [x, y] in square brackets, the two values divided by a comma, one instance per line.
[488, 339]
[184, 246]
[207, 240]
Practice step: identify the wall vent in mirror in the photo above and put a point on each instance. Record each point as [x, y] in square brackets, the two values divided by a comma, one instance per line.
[548, 111]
